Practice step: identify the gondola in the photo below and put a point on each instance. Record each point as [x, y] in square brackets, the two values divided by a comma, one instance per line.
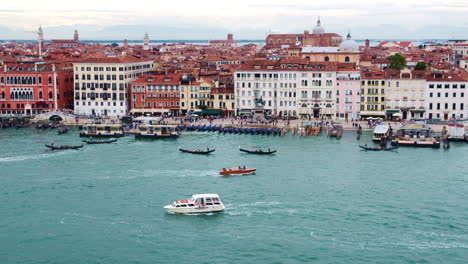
[63, 130]
[197, 151]
[99, 141]
[258, 151]
[378, 148]
[63, 147]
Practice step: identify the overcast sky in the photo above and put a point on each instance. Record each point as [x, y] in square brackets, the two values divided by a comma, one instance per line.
[247, 19]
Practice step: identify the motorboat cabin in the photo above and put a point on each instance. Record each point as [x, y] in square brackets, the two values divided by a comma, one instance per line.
[102, 130]
[157, 131]
[381, 131]
[416, 135]
[198, 203]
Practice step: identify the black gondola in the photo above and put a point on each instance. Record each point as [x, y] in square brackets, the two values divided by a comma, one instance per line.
[197, 151]
[99, 141]
[258, 151]
[378, 148]
[63, 147]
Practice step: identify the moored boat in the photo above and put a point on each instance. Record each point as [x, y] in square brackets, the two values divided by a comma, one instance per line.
[197, 151]
[377, 148]
[157, 131]
[198, 203]
[236, 170]
[257, 151]
[416, 135]
[381, 131]
[102, 130]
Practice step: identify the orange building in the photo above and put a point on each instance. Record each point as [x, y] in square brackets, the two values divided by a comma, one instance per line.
[155, 94]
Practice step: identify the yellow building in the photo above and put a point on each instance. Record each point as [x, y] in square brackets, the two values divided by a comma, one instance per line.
[373, 94]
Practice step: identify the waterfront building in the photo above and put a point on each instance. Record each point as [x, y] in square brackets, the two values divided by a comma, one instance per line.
[224, 43]
[155, 94]
[373, 94]
[223, 99]
[101, 84]
[446, 95]
[464, 63]
[405, 94]
[348, 89]
[318, 38]
[460, 51]
[33, 88]
[286, 87]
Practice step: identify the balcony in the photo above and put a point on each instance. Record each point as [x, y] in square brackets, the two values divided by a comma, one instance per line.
[405, 98]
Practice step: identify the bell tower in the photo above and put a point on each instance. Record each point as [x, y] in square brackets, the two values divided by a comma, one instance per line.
[76, 37]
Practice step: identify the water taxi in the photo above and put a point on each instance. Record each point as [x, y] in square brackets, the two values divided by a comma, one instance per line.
[416, 135]
[157, 131]
[310, 128]
[236, 170]
[198, 203]
[102, 130]
[381, 131]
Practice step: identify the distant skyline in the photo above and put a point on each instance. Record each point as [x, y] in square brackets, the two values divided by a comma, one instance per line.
[254, 19]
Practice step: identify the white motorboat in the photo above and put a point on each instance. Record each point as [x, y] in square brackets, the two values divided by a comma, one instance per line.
[198, 203]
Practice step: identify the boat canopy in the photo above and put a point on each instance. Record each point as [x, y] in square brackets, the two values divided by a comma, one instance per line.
[210, 195]
[381, 129]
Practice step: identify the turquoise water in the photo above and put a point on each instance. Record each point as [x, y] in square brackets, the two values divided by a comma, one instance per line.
[318, 200]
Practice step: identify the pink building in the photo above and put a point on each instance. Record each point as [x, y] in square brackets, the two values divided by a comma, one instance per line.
[348, 87]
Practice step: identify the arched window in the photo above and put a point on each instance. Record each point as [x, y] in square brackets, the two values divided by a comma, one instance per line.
[327, 58]
[3, 95]
[49, 80]
[40, 80]
[307, 58]
[50, 95]
[346, 59]
[40, 93]
[2, 80]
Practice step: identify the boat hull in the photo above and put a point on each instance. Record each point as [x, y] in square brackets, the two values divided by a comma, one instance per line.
[423, 144]
[193, 210]
[101, 135]
[155, 136]
[232, 171]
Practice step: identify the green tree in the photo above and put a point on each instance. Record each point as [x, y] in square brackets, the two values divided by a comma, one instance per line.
[420, 66]
[114, 45]
[397, 62]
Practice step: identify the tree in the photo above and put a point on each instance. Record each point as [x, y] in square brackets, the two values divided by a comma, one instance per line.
[420, 66]
[114, 45]
[397, 62]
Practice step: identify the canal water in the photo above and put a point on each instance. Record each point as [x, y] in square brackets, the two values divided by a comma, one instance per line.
[318, 200]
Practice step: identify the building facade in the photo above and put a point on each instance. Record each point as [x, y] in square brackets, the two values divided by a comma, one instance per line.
[373, 94]
[446, 96]
[294, 88]
[348, 89]
[155, 94]
[33, 88]
[102, 84]
[405, 94]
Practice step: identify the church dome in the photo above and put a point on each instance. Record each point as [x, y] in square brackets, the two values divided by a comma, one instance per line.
[349, 44]
[318, 29]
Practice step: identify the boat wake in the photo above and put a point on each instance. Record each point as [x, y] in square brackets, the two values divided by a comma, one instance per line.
[31, 157]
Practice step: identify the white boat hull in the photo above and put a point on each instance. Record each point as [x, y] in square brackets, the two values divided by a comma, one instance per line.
[194, 210]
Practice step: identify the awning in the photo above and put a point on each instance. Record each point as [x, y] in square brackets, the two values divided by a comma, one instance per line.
[417, 110]
[392, 111]
[211, 112]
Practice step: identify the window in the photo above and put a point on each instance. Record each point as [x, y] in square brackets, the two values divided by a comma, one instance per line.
[326, 58]
[346, 59]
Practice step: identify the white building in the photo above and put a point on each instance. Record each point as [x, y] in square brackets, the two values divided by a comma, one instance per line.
[446, 95]
[101, 84]
[287, 87]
